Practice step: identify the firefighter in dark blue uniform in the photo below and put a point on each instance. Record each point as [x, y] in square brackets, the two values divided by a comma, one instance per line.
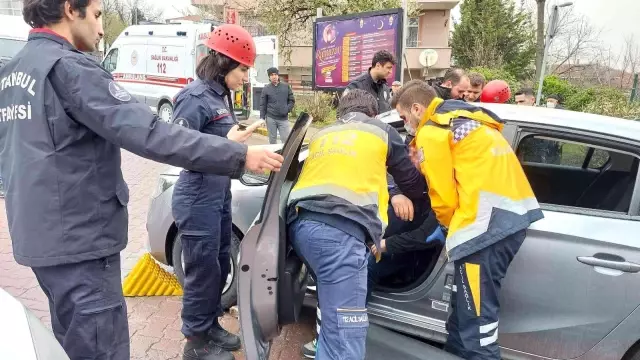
[63, 121]
[202, 202]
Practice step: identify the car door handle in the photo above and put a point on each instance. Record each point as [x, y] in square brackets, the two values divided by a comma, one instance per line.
[625, 266]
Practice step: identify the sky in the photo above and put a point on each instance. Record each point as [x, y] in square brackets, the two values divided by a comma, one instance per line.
[617, 18]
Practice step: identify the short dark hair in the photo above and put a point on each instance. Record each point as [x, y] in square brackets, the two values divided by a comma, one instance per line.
[215, 66]
[40, 13]
[382, 57]
[454, 75]
[525, 91]
[414, 92]
[357, 100]
[477, 79]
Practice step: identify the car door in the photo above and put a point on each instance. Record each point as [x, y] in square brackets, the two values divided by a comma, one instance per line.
[272, 279]
[575, 277]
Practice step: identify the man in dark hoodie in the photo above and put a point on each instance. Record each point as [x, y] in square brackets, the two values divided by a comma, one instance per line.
[454, 85]
[374, 81]
[276, 102]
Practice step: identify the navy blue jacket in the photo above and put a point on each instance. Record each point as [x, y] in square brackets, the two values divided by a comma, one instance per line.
[63, 120]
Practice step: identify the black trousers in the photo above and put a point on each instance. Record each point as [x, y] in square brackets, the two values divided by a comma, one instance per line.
[88, 311]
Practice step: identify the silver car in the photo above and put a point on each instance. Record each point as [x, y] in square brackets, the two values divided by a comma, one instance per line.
[570, 293]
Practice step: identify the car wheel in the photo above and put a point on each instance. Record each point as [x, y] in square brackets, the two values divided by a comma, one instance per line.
[166, 112]
[230, 291]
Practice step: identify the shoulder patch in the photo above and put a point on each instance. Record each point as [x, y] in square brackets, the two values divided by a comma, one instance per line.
[119, 92]
[182, 122]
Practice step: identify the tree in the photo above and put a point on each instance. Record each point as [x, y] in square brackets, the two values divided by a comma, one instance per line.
[630, 60]
[291, 20]
[494, 34]
[576, 40]
[539, 36]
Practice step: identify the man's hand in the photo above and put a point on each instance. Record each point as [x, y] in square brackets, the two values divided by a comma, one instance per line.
[403, 207]
[413, 155]
[241, 136]
[260, 159]
[378, 253]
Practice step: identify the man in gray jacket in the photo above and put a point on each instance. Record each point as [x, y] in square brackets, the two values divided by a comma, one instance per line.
[276, 103]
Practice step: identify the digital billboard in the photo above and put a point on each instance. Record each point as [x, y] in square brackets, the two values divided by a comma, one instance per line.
[343, 46]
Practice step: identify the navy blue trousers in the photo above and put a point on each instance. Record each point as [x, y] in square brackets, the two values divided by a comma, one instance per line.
[202, 211]
[88, 311]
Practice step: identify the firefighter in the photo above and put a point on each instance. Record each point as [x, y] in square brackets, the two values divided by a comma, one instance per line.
[482, 200]
[496, 91]
[63, 120]
[338, 206]
[202, 202]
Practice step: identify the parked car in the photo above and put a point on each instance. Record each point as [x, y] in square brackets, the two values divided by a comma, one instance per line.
[24, 336]
[570, 293]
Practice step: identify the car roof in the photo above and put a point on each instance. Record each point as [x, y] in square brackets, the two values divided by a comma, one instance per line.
[606, 125]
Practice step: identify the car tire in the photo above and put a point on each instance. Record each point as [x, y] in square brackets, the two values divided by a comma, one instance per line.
[166, 110]
[230, 294]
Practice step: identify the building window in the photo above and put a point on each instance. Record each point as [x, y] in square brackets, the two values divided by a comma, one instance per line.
[412, 32]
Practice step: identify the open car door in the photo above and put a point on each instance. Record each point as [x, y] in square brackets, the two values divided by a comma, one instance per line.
[272, 279]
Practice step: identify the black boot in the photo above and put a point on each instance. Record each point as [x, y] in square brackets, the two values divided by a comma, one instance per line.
[201, 348]
[223, 338]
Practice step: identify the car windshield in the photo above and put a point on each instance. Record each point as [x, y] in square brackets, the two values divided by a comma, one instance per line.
[9, 47]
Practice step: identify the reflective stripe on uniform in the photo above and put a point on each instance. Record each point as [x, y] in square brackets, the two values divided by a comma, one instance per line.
[486, 203]
[335, 190]
[355, 126]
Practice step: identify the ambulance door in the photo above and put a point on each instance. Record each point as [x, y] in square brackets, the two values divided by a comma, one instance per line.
[267, 56]
[167, 61]
[126, 62]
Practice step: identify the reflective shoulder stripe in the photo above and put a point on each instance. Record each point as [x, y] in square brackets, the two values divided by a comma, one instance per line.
[356, 126]
[363, 199]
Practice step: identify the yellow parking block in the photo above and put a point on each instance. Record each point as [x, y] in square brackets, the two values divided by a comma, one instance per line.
[149, 279]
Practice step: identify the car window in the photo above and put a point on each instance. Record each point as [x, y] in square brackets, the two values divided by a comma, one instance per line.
[576, 174]
[10, 47]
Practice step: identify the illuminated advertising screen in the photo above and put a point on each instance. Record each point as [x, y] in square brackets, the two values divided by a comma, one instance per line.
[343, 46]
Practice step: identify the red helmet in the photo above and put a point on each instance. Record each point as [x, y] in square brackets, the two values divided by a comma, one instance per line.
[496, 91]
[234, 42]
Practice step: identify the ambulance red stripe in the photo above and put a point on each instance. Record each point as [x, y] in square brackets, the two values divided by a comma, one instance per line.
[151, 80]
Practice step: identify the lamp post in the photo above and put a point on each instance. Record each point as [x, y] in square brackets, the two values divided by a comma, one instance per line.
[551, 32]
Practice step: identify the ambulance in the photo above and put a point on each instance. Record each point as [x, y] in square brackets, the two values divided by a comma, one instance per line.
[153, 62]
[13, 36]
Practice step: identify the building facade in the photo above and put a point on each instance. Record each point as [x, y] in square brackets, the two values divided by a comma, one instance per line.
[428, 31]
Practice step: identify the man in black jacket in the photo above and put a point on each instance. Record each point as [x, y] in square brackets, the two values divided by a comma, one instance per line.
[454, 85]
[276, 103]
[374, 81]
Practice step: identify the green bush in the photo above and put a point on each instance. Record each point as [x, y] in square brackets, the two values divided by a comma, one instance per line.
[317, 104]
[612, 102]
[554, 85]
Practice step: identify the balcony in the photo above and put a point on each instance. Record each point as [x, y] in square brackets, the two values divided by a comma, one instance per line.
[444, 57]
[437, 4]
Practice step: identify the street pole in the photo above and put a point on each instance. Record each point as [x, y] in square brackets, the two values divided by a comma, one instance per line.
[634, 89]
[404, 39]
[551, 32]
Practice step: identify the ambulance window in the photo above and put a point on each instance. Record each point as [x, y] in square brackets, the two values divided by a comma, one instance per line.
[262, 64]
[201, 52]
[111, 61]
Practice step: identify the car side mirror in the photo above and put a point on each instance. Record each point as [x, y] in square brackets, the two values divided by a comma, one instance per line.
[251, 178]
